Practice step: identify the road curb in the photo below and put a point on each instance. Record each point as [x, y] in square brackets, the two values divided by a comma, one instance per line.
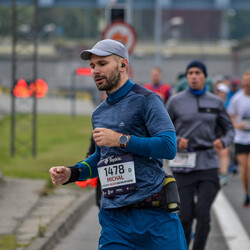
[63, 223]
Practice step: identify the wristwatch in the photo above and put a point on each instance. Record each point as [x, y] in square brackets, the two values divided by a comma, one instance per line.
[123, 140]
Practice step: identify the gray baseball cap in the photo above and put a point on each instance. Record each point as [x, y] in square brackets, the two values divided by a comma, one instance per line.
[106, 47]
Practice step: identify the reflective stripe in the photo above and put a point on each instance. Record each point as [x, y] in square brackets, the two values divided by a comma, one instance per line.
[167, 180]
[90, 170]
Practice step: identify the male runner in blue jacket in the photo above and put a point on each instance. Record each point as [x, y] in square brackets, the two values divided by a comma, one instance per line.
[133, 132]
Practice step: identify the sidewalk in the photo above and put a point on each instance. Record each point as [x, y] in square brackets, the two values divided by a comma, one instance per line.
[31, 221]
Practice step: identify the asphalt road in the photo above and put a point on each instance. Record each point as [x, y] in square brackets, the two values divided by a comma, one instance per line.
[86, 232]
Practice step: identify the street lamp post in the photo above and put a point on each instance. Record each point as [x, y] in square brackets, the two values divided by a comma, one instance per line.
[158, 32]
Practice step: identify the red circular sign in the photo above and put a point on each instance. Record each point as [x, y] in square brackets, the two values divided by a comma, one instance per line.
[122, 32]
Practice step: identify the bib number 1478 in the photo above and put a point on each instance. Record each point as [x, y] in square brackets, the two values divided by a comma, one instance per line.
[114, 170]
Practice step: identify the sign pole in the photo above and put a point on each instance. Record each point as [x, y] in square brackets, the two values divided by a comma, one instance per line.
[13, 74]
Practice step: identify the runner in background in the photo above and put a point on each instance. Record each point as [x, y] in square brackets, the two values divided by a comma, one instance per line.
[195, 113]
[221, 90]
[183, 84]
[95, 182]
[156, 85]
[239, 110]
[234, 86]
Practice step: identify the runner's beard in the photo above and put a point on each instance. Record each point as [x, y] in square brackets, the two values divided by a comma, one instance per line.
[111, 82]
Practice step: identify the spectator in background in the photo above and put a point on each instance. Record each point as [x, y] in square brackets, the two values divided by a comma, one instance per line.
[239, 110]
[156, 85]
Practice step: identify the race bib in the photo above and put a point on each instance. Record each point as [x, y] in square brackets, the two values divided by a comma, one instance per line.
[184, 160]
[117, 175]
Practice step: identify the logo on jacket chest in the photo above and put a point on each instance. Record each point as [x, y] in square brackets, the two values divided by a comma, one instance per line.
[122, 124]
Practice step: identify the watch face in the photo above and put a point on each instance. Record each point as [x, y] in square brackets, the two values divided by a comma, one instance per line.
[123, 139]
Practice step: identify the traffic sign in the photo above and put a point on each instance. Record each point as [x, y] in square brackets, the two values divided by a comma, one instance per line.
[122, 32]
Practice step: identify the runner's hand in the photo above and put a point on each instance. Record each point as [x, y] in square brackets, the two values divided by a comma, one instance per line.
[182, 143]
[59, 174]
[218, 144]
[106, 137]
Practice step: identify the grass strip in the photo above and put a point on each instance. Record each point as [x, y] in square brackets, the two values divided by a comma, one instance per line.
[61, 140]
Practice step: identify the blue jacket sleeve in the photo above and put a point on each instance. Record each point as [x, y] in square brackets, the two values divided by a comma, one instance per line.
[162, 146]
[88, 167]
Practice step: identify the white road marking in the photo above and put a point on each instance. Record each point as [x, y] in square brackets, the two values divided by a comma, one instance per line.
[233, 231]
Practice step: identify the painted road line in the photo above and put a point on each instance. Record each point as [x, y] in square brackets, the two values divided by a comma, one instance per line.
[233, 231]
